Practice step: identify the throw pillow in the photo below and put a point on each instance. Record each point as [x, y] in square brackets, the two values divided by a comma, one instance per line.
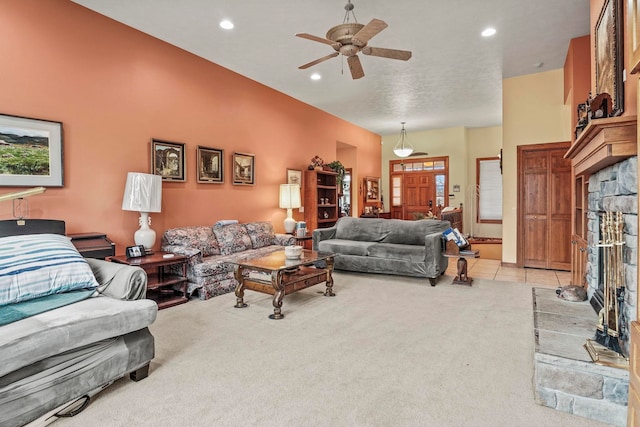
[261, 234]
[196, 236]
[35, 265]
[232, 238]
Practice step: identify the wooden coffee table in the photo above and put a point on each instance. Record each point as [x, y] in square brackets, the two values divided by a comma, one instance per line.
[284, 276]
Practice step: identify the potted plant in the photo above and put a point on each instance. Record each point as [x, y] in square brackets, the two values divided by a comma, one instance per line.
[338, 168]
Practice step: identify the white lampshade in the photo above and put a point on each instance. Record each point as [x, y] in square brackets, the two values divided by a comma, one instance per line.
[290, 196]
[289, 199]
[403, 148]
[143, 193]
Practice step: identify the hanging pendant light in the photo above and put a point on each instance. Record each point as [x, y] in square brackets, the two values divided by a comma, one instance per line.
[403, 148]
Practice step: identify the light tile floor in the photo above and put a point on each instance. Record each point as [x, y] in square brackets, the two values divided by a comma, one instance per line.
[478, 268]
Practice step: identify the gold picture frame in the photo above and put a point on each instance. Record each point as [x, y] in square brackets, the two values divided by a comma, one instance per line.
[244, 169]
[167, 160]
[608, 54]
[633, 39]
[372, 189]
[210, 163]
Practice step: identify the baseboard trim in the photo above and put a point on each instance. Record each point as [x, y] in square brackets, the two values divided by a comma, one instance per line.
[508, 264]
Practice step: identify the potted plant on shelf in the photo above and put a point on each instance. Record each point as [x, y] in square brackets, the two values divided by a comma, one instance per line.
[338, 168]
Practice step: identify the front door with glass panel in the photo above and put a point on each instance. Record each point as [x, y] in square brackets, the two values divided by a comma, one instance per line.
[418, 187]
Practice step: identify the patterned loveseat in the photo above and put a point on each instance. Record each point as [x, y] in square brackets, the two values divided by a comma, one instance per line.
[210, 248]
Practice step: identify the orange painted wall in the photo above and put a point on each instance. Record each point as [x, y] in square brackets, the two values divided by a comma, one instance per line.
[115, 88]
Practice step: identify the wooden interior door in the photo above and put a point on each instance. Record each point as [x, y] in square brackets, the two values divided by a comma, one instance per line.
[419, 194]
[544, 219]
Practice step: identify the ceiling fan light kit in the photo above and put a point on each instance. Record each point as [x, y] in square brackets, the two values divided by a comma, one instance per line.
[350, 38]
[403, 148]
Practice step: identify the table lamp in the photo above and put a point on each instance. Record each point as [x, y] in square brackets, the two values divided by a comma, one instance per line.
[143, 193]
[289, 199]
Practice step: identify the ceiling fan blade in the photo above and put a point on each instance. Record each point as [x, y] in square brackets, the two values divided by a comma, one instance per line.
[331, 43]
[403, 55]
[355, 66]
[317, 61]
[368, 31]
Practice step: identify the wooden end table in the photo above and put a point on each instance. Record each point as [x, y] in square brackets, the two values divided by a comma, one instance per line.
[286, 276]
[453, 251]
[160, 280]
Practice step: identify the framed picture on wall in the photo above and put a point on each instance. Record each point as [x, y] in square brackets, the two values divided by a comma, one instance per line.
[372, 189]
[608, 54]
[294, 176]
[244, 169]
[31, 150]
[633, 28]
[167, 160]
[210, 163]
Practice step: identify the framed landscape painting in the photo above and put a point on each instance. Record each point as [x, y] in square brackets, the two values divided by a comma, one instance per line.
[244, 169]
[210, 163]
[31, 152]
[608, 54]
[167, 160]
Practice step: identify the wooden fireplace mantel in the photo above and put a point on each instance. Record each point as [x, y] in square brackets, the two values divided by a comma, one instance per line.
[602, 143]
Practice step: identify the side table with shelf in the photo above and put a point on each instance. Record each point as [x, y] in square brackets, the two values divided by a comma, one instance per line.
[160, 280]
[453, 251]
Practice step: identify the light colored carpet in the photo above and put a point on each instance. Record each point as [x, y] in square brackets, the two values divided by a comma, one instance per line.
[385, 351]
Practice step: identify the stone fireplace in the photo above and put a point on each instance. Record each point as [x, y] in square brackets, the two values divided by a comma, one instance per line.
[566, 377]
[614, 189]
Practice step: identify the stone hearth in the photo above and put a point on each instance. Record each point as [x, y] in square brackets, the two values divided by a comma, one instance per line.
[565, 378]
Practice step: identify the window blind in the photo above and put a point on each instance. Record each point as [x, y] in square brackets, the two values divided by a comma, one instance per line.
[490, 191]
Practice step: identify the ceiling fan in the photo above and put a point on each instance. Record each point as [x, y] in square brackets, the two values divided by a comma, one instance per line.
[349, 38]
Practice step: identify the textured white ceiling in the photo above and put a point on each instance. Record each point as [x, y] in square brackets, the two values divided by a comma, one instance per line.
[453, 79]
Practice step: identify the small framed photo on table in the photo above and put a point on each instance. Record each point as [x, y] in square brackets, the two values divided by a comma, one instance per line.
[135, 251]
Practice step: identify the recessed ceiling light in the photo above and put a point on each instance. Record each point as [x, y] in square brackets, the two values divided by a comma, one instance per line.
[315, 76]
[226, 24]
[488, 32]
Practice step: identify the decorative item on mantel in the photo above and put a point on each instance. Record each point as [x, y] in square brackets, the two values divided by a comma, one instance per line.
[316, 163]
[594, 108]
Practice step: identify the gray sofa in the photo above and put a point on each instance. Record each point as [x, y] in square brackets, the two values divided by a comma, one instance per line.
[389, 246]
[66, 353]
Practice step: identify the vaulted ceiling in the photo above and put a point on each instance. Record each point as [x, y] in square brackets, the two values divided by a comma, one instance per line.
[454, 77]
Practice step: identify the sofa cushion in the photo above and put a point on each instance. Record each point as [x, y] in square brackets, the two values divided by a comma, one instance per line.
[232, 238]
[261, 234]
[197, 236]
[366, 230]
[412, 232]
[345, 247]
[414, 253]
[388, 230]
[35, 265]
